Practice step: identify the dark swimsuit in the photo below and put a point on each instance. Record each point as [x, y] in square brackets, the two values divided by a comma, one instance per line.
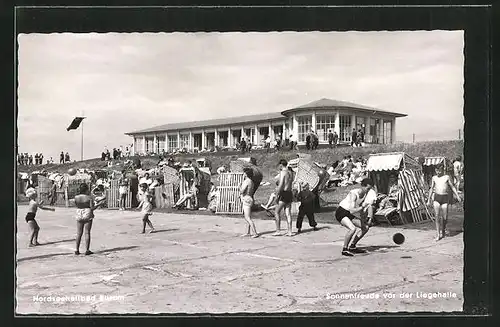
[30, 216]
[342, 213]
[286, 196]
[441, 198]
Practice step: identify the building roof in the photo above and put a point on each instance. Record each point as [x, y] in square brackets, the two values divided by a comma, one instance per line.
[210, 123]
[319, 104]
[328, 104]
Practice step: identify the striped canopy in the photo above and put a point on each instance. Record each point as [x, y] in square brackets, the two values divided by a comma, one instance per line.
[433, 161]
[391, 161]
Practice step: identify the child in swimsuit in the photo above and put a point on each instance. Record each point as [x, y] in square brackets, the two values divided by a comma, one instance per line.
[146, 207]
[440, 186]
[30, 216]
[123, 190]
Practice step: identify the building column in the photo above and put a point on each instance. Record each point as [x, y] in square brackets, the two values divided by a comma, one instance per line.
[295, 127]
[353, 122]
[144, 144]
[178, 140]
[203, 140]
[229, 137]
[155, 146]
[270, 131]
[313, 121]
[216, 137]
[393, 131]
[191, 146]
[256, 135]
[337, 124]
[284, 133]
[166, 143]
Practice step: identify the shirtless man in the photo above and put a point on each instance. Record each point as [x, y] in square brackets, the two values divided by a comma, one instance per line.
[440, 186]
[354, 203]
[285, 197]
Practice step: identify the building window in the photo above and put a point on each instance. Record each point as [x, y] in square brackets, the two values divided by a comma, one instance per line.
[250, 134]
[304, 126]
[161, 143]
[324, 123]
[345, 128]
[172, 142]
[138, 145]
[375, 134]
[387, 132]
[150, 144]
[236, 136]
[184, 141]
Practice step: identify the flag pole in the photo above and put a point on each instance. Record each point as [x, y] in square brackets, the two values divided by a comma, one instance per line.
[82, 144]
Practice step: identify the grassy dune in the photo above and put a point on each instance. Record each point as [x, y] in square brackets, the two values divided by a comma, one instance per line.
[268, 161]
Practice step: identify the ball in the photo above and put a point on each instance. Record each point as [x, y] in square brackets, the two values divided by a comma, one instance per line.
[72, 171]
[398, 238]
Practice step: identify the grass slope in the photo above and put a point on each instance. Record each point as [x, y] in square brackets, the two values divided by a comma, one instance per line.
[268, 161]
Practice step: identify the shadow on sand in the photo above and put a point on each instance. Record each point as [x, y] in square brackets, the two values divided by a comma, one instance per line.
[44, 256]
[165, 230]
[309, 230]
[57, 242]
[123, 248]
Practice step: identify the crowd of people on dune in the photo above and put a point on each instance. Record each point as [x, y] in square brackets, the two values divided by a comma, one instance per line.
[25, 159]
[116, 153]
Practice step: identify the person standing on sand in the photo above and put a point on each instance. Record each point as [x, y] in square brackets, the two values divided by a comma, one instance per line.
[440, 186]
[84, 216]
[345, 216]
[285, 198]
[246, 195]
[33, 206]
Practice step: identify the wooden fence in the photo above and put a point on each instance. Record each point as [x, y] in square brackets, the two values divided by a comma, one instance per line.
[113, 195]
[164, 196]
[229, 187]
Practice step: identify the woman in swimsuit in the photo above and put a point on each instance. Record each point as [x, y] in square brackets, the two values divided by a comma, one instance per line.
[246, 190]
[440, 186]
[84, 216]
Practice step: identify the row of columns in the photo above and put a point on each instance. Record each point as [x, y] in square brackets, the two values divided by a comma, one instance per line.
[293, 130]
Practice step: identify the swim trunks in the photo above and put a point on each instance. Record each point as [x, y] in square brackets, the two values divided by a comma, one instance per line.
[147, 208]
[342, 213]
[285, 196]
[247, 200]
[30, 216]
[441, 198]
[84, 214]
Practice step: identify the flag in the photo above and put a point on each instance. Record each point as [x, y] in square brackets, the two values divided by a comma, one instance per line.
[75, 123]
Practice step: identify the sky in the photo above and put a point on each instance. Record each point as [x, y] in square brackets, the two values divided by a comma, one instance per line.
[123, 82]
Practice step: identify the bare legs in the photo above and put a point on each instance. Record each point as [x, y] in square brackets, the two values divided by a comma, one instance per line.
[145, 220]
[88, 227]
[363, 229]
[80, 227]
[441, 214]
[34, 228]
[247, 212]
[123, 198]
[288, 213]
